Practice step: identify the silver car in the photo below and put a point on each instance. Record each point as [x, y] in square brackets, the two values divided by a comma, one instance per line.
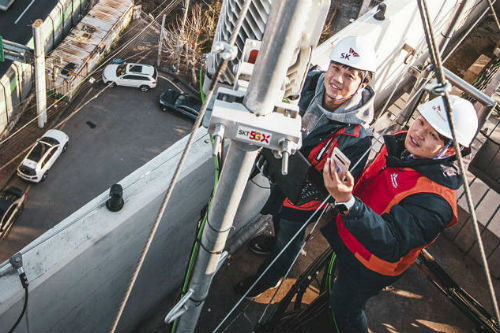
[42, 155]
[131, 75]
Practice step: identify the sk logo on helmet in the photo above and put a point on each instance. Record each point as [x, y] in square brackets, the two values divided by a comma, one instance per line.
[348, 55]
[439, 112]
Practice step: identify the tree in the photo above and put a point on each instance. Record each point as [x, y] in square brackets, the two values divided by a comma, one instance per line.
[187, 47]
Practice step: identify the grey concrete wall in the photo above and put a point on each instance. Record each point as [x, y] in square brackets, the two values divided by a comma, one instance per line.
[78, 271]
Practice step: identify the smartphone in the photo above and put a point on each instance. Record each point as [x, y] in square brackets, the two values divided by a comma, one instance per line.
[342, 163]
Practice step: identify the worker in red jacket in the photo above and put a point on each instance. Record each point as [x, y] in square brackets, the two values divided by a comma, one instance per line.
[401, 203]
[336, 108]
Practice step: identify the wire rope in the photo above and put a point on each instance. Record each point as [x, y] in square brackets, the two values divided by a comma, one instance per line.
[293, 263]
[173, 181]
[438, 69]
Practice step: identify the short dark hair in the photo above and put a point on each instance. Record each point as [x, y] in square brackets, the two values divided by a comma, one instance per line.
[366, 75]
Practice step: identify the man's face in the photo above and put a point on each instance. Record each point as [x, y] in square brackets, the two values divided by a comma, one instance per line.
[341, 82]
[423, 140]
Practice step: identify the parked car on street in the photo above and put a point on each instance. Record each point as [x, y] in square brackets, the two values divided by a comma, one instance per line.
[131, 75]
[41, 157]
[177, 101]
[11, 206]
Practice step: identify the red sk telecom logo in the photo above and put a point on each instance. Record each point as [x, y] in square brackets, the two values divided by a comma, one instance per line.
[440, 113]
[347, 56]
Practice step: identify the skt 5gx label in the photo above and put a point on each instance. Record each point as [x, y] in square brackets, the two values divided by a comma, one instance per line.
[252, 135]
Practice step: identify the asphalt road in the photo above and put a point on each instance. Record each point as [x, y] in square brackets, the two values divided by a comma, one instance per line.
[110, 137]
[15, 23]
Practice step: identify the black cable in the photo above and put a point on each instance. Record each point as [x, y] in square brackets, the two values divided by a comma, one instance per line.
[24, 282]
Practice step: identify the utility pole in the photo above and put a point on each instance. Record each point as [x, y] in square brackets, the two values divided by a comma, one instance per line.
[285, 31]
[41, 97]
[181, 35]
[160, 41]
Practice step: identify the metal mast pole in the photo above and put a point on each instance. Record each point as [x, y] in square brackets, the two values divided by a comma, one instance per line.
[41, 97]
[283, 31]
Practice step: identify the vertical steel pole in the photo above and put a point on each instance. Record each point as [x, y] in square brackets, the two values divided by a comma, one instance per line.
[160, 41]
[283, 31]
[180, 41]
[41, 96]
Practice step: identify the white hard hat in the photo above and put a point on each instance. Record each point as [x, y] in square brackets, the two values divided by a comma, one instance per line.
[356, 52]
[464, 117]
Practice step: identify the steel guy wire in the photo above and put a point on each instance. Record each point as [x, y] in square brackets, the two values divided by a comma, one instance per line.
[438, 69]
[313, 214]
[173, 181]
[291, 266]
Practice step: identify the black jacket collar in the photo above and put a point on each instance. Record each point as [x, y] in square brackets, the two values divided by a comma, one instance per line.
[444, 171]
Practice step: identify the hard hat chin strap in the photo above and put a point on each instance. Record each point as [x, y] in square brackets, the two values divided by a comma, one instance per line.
[441, 153]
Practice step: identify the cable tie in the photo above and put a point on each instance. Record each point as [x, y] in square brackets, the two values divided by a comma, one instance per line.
[211, 252]
[216, 230]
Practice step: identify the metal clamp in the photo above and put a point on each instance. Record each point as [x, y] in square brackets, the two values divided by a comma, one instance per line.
[436, 88]
[179, 309]
[265, 131]
[226, 51]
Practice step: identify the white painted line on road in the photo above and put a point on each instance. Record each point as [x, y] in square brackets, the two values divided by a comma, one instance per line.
[17, 20]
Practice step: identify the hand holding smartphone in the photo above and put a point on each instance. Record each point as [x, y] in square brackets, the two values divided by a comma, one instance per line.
[342, 163]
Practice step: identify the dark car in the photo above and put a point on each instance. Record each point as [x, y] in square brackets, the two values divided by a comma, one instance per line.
[11, 206]
[175, 100]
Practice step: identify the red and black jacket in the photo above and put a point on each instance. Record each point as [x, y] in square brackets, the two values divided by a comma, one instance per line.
[352, 140]
[401, 207]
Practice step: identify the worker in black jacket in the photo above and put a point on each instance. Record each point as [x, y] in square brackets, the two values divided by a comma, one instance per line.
[335, 106]
[401, 203]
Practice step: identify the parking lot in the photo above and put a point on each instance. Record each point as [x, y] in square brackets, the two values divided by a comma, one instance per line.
[111, 136]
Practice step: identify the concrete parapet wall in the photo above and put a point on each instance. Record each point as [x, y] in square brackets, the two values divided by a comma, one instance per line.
[79, 270]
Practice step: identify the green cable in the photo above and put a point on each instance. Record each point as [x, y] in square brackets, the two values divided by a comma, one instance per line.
[196, 246]
[329, 277]
[330, 271]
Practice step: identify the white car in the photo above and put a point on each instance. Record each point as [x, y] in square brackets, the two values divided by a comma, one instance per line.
[41, 157]
[131, 75]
